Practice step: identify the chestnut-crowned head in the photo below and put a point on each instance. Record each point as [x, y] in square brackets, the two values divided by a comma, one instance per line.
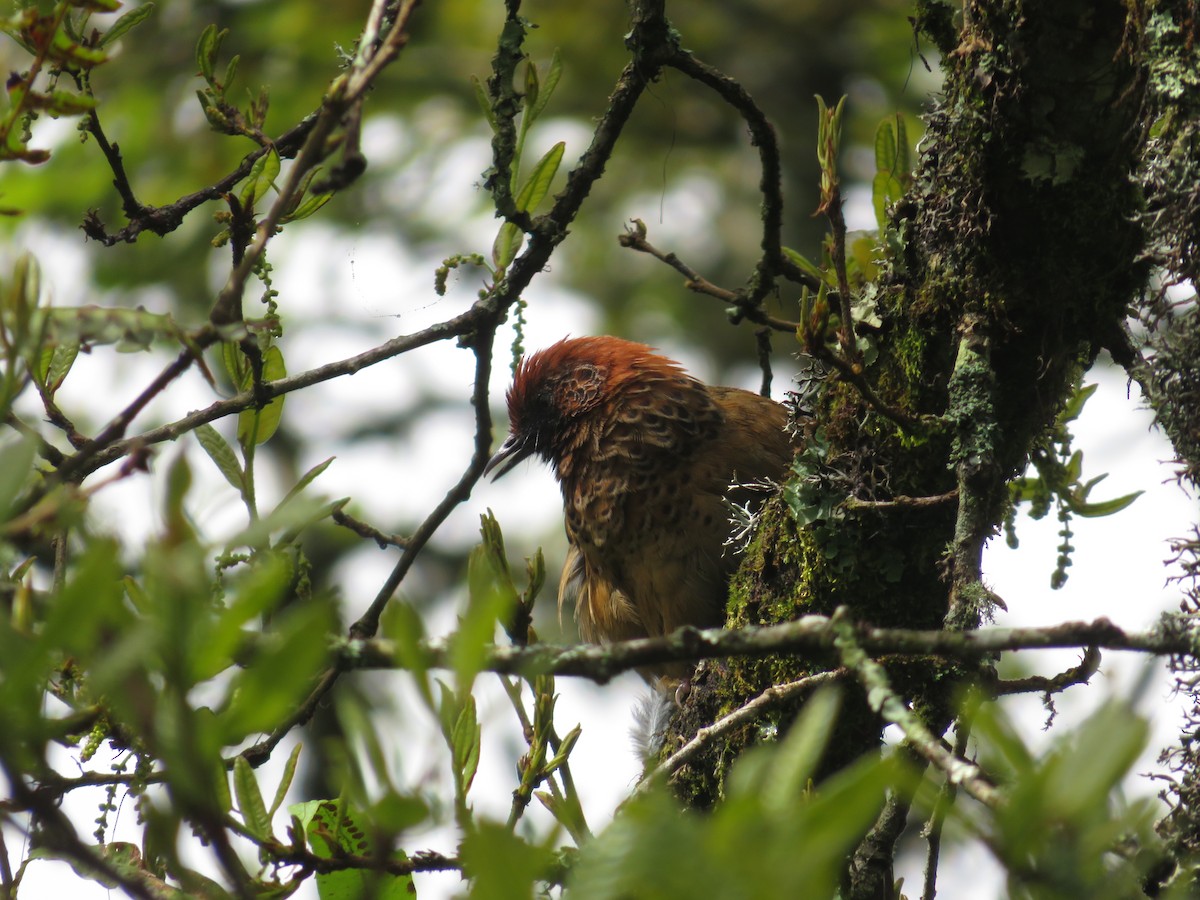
[558, 390]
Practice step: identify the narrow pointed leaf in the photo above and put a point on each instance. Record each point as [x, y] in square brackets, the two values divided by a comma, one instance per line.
[538, 185]
[249, 798]
[222, 454]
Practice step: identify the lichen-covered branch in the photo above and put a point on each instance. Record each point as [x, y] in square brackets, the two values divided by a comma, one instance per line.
[811, 635]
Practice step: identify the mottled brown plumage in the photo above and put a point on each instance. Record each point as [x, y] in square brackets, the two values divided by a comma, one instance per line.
[645, 456]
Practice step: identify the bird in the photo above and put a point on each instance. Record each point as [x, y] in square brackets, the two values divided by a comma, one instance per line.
[648, 459]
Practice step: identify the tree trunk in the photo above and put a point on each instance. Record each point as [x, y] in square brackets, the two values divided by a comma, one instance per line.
[1012, 263]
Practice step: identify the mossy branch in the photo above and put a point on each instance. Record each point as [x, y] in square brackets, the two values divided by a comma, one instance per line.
[1175, 635]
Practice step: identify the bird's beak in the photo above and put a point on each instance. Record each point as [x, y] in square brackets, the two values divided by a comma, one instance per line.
[512, 451]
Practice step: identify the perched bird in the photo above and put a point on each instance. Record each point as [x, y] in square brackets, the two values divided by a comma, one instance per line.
[646, 457]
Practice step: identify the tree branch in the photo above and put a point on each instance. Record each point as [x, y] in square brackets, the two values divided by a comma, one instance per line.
[1175, 635]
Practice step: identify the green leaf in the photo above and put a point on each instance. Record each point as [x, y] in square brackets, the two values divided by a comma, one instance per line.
[333, 828]
[1072, 470]
[222, 454]
[207, 48]
[16, 468]
[252, 595]
[1104, 508]
[485, 103]
[798, 754]
[546, 89]
[289, 773]
[491, 597]
[231, 71]
[304, 206]
[538, 183]
[61, 360]
[237, 367]
[250, 801]
[403, 626]
[903, 153]
[891, 167]
[508, 240]
[503, 866]
[261, 178]
[65, 49]
[805, 264]
[1091, 762]
[258, 425]
[63, 103]
[564, 748]
[305, 480]
[465, 742]
[92, 599]
[531, 94]
[885, 147]
[287, 660]
[1075, 405]
[504, 248]
[885, 189]
[131, 19]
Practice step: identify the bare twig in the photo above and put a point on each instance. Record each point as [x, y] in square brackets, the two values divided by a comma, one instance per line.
[635, 239]
[762, 135]
[370, 532]
[482, 344]
[762, 337]
[1056, 684]
[46, 450]
[853, 374]
[291, 854]
[162, 220]
[902, 502]
[945, 799]
[116, 428]
[450, 328]
[775, 695]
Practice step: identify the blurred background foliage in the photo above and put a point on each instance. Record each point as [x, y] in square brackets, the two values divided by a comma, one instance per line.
[424, 112]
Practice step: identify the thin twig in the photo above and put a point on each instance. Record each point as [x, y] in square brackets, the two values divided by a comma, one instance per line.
[776, 695]
[482, 344]
[1056, 684]
[368, 623]
[370, 532]
[837, 223]
[853, 374]
[945, 799]
[57, 835]
[635, 239]
[162, 220]
[902, 502]
[762, 338]
[46, 450]
[762, 136]
[451, 328]
[116, 428]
